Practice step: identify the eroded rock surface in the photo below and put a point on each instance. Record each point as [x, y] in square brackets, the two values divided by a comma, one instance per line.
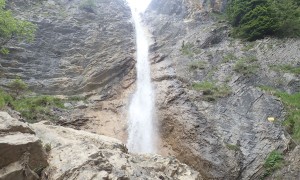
[77, 48]
[81, 155]
[21, 153]
[227, 137]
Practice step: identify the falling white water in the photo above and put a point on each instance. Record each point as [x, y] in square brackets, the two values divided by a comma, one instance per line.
[141, 127]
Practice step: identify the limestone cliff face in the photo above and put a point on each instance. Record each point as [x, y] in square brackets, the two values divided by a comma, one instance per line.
[228, 138]
[77, 49]
[90, 50]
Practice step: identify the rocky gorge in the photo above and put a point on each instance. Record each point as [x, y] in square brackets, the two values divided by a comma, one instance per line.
[212, 100]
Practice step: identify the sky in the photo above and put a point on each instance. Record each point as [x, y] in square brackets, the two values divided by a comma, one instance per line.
[139, 5]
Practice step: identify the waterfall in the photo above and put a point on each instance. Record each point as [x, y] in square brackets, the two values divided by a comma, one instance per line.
[141, 127]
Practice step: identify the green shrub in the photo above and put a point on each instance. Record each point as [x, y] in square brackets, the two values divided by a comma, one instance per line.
[273, 162]
[11, 27]
[256, 19]
[17, 86]
[5, 99]
[211, 91]
[33, 108]
[4, 51]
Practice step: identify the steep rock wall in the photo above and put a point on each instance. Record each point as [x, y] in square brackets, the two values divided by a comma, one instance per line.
[77, 48]
[228, 138]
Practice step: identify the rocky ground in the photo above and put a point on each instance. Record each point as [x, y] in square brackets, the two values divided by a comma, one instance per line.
[73, 154]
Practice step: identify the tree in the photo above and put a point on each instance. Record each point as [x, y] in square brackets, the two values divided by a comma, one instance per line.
[256, 19]
[17, 86]
[11, 27]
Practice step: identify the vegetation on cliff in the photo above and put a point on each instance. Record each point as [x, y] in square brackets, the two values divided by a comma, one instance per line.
[32, 108]
[273, 162]
[11, 27]
[256, 19]
[292, 105]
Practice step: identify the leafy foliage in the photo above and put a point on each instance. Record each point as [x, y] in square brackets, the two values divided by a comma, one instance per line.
[17, 86]
[256, 19]
[33, 108]
[11, 27]
[5, 99]
[273, 162]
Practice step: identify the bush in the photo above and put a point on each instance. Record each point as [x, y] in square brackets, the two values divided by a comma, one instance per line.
[5, 99]
[11, 27]
[256, 19]
[33, 108]
[17, 86]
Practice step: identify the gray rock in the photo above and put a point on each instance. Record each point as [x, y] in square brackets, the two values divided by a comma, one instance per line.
[82, 155]
[74, 51]
[21, 152]
[229, 138]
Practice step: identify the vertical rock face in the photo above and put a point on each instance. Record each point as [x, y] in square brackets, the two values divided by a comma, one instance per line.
[79, 47]
[21, 152]
[230, 137]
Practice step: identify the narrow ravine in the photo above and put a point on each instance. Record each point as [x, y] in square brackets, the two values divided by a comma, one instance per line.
[141, 136]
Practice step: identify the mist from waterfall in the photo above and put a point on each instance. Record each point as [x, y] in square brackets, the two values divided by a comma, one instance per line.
[140, 121]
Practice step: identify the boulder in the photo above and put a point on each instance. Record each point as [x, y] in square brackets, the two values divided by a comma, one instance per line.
[78, 154]
[21, 152]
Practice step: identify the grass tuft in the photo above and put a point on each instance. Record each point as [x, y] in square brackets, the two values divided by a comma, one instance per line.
[292, 105]
[211, 91]
[246, 66]
[286, 68]
[273, 162]
[197, 65]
